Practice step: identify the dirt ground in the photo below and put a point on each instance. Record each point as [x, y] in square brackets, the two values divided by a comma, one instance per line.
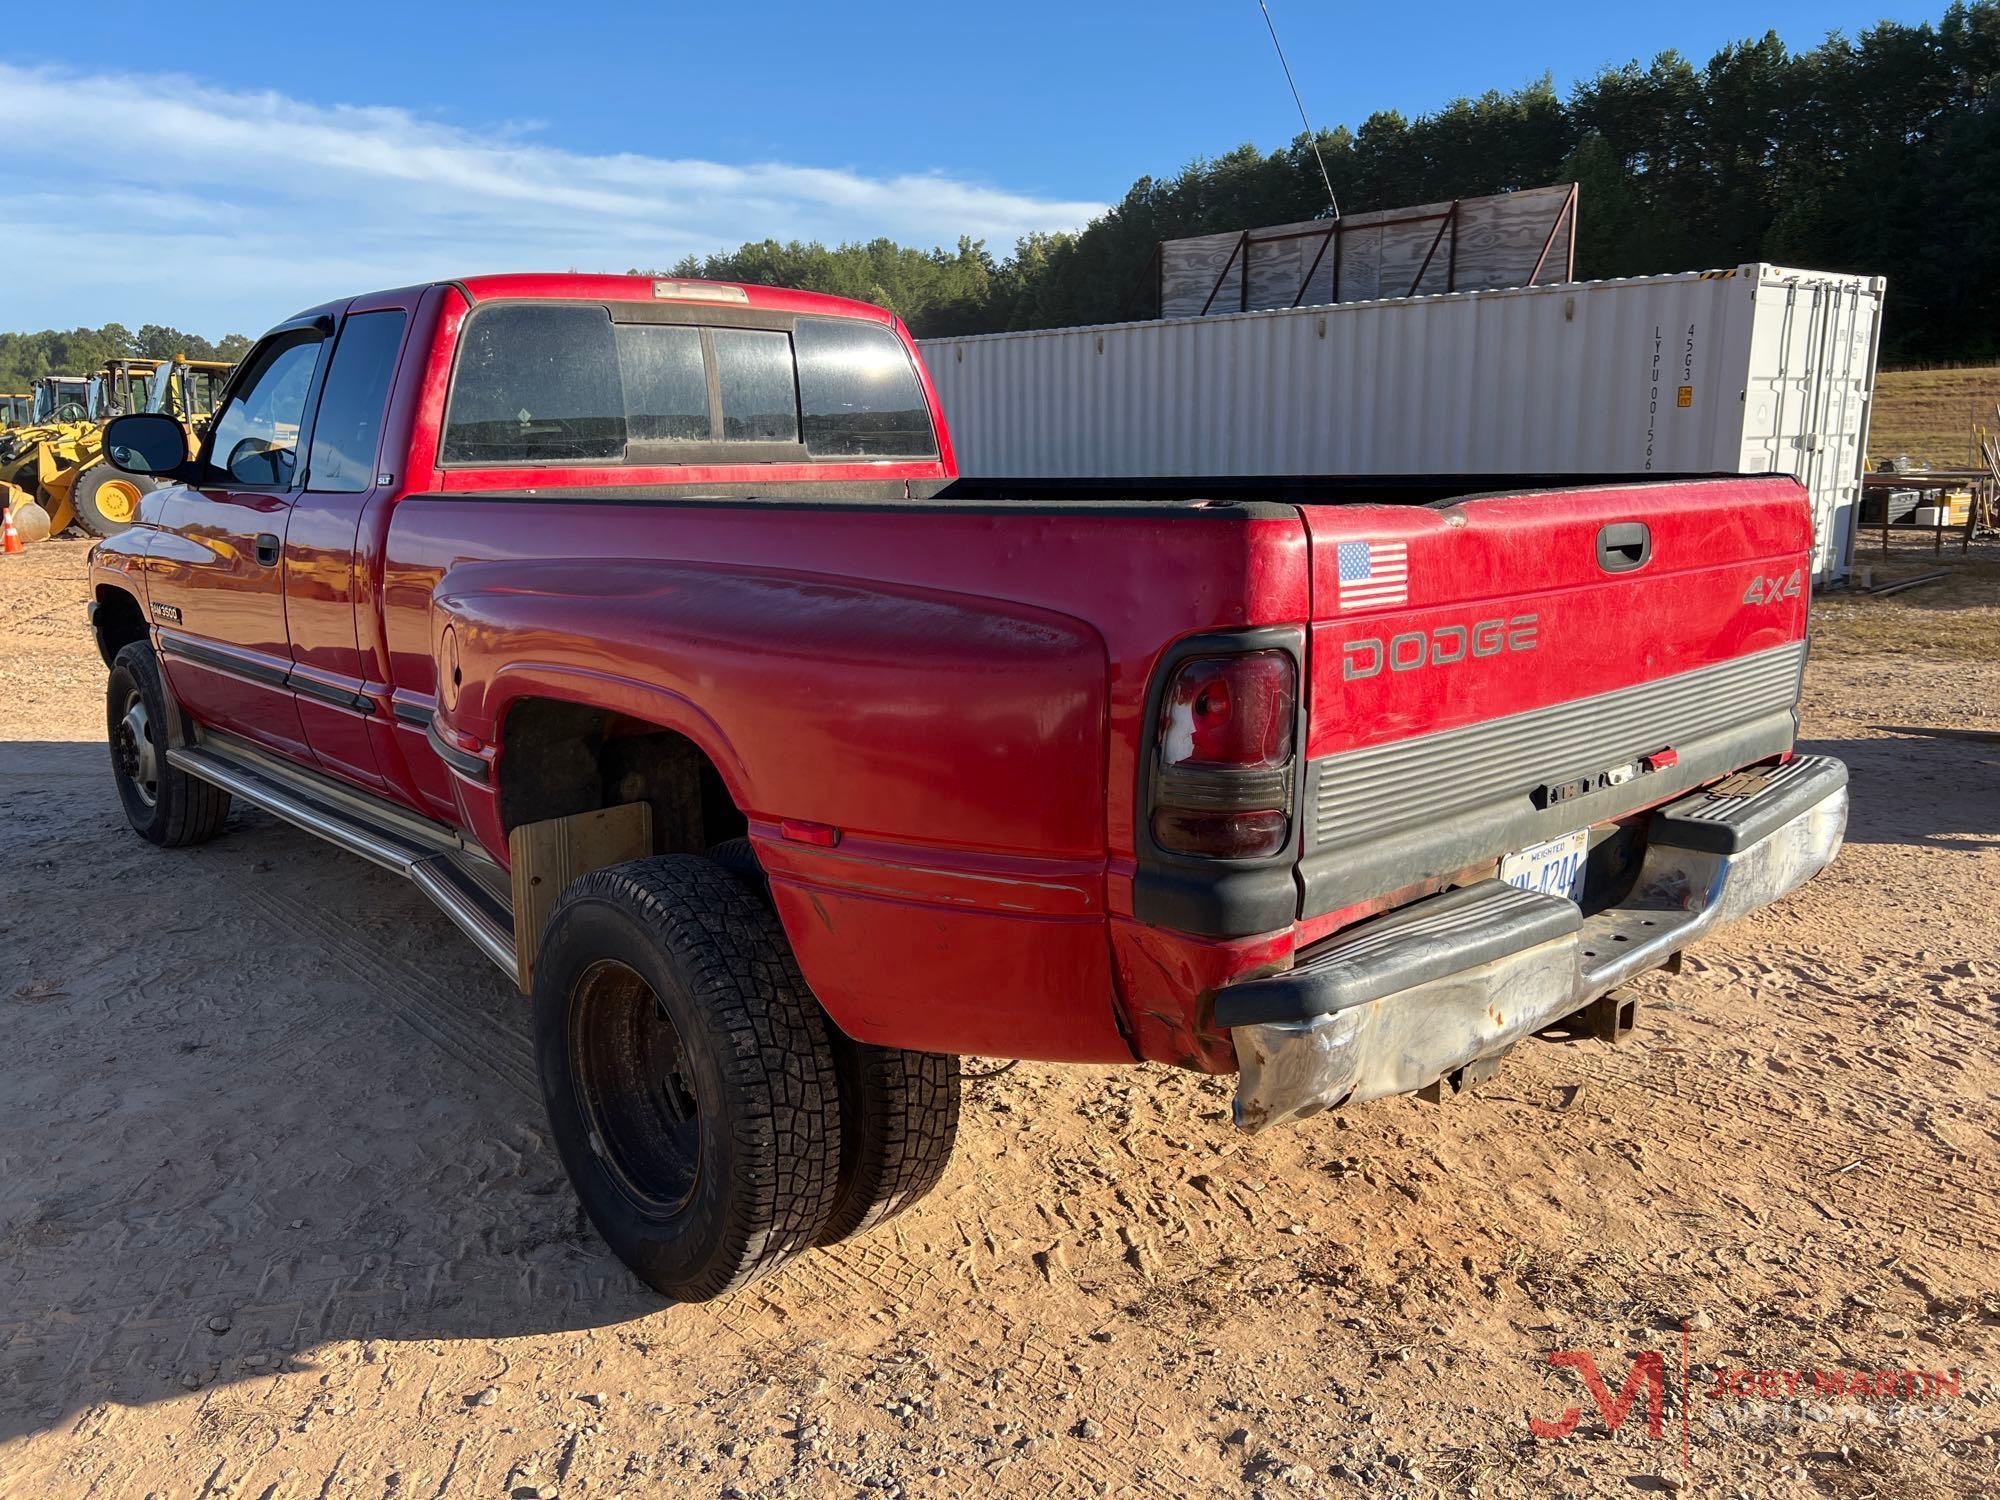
[279, 1216]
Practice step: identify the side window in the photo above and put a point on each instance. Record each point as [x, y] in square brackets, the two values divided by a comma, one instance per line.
[760, 397]
[348, 430]
[535, 384]
[859, 392]
[256, 437]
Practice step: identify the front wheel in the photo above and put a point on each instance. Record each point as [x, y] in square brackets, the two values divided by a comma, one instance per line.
[163, 804]
[690, 1088]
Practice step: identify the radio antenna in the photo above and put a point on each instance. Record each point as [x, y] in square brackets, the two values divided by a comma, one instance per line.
[1332, 203]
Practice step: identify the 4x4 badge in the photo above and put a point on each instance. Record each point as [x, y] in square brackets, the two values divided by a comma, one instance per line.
[1764, 590]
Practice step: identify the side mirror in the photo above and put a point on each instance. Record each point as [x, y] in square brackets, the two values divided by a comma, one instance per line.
[146, 442]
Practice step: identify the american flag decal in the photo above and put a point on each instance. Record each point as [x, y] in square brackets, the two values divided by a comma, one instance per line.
[1374, 573]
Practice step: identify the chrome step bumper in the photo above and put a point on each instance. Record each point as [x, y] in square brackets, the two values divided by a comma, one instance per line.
[1426, 990]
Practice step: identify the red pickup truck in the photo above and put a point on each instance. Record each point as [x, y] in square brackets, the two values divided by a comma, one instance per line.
[647, 627]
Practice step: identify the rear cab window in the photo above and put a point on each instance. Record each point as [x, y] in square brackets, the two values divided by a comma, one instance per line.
[547, 383]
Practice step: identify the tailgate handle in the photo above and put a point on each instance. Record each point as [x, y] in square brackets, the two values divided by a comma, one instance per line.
[1623, 546]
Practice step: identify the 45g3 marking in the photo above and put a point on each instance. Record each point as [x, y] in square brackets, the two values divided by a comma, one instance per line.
[1764, 590]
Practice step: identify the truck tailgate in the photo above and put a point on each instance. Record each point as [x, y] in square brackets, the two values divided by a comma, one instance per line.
[1506, 669]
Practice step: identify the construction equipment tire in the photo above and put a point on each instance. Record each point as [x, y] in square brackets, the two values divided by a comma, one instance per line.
[107, 499]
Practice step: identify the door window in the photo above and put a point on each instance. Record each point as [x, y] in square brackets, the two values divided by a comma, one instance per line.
[256, 437]
[348, 429]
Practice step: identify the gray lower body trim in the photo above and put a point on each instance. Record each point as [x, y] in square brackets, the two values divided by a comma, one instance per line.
[291, 679]
[1328, 1033]
[1389, 816]
[468, 765]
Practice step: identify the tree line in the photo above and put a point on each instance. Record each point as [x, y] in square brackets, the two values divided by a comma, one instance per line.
[1877, 154]
[25, 356]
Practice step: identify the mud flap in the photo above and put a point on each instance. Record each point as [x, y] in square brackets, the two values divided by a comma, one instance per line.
[547, 856]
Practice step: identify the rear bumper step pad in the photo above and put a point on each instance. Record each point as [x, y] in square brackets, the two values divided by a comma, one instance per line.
[1426, 990]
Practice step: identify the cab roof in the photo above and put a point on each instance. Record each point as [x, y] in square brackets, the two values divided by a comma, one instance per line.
[549, 286]
[666, 289]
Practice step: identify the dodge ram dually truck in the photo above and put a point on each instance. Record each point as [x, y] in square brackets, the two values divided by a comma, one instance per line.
[644, 626]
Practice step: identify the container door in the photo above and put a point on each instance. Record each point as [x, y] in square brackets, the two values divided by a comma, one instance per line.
[1850, 382]
[1806, 398]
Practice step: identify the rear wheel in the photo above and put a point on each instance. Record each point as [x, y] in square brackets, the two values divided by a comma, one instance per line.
[107, 499]
[898, 1109]
[163, 804]
[898, 1124]
[689, 1084]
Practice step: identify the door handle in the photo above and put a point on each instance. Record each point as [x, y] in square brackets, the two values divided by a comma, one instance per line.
[1623, 546]
[267, 550]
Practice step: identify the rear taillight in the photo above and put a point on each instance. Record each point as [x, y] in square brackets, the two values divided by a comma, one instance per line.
[1222, 780]
[1230, 712]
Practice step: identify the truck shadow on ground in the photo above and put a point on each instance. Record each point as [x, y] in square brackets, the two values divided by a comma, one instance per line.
[261, 1097]
[1943, 793]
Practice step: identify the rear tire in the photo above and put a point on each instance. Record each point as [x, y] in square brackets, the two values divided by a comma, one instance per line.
[898, 1109]
[107, 499]
[164, 804]
[898, 1124]
[689, 1083]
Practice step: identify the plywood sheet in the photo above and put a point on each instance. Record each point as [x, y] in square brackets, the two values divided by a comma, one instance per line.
[1487, 242]
[548, 855]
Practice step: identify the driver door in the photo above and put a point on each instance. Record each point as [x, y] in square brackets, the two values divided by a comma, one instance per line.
[217, 583]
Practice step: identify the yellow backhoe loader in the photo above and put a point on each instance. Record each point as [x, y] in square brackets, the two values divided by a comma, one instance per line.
[63, 469]
[32, 455]
[16, 407]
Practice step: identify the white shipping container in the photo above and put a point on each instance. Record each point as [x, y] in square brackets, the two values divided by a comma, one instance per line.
[1758, 370]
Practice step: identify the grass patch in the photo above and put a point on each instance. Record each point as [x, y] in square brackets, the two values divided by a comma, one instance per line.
[1928, 414]
[1954, 619]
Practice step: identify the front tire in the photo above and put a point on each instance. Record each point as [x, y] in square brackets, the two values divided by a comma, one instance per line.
[164, 804]
[689, 1083]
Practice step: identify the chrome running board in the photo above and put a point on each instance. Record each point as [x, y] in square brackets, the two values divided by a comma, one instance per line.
[464, 883]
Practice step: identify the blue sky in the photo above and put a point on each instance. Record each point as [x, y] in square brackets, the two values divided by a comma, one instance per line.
[226, 164]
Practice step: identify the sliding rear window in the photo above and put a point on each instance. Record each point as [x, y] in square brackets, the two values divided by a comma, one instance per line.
[561, 383]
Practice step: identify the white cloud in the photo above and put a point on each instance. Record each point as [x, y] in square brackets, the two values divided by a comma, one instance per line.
[224, 212]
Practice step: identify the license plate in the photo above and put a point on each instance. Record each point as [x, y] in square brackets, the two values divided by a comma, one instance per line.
[1555, 868]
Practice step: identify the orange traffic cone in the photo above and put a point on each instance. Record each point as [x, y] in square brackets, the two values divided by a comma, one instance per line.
[13, 537]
